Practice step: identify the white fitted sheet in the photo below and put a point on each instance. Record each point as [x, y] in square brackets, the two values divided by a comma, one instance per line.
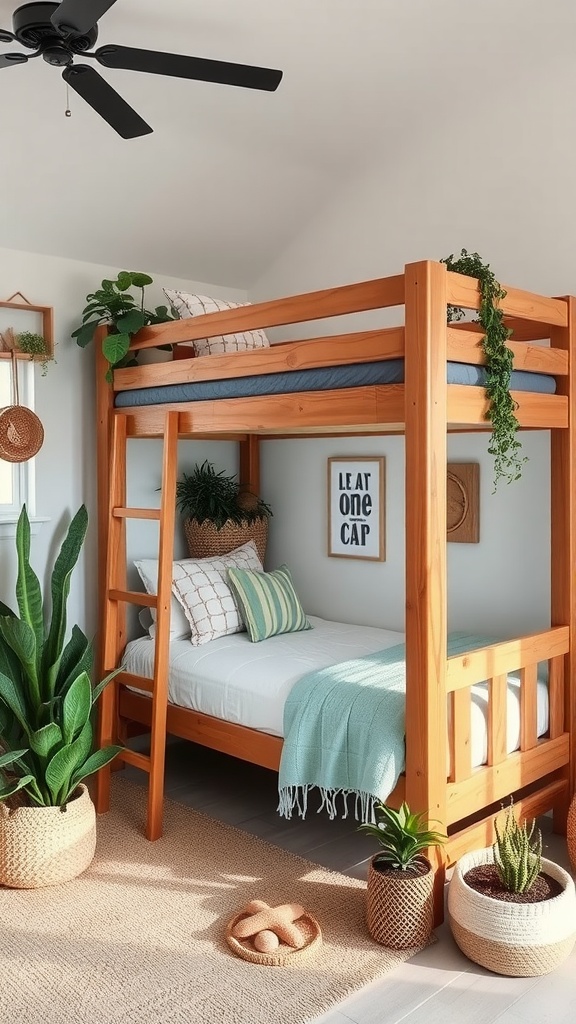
[248, 683]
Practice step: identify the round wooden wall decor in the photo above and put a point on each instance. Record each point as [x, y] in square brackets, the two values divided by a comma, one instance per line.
[457, 503]
[463, 502]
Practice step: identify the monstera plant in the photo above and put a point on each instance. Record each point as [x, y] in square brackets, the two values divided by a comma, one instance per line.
[47, 702]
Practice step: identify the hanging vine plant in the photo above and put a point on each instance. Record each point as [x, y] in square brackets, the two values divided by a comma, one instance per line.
[504, 445]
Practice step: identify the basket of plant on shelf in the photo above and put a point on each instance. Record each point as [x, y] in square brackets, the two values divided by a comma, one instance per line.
[400, 894]
[219, 515]
[511, 910]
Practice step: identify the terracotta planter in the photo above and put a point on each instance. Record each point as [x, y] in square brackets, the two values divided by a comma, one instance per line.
[523, 940]
[400, 907]
[205, 540]
[46, 845]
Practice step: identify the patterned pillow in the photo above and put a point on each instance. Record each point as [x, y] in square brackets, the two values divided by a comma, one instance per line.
[268, 602]
[179, 626]
[202, 588]
[186, 305]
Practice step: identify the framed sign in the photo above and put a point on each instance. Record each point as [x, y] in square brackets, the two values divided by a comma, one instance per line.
[356, 495]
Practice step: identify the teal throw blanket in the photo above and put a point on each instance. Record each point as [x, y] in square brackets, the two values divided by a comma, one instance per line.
[344, 731]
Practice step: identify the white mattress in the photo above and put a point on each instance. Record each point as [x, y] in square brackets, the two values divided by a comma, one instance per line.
[247, 683]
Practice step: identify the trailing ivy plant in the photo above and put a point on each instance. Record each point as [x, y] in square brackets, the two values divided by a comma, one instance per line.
[33, 345]
[114, 305]
[504, 445]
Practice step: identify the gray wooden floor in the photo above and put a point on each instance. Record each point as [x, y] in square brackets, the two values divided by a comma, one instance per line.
[438, 985]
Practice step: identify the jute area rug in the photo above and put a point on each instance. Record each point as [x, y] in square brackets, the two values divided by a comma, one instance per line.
[140, 936]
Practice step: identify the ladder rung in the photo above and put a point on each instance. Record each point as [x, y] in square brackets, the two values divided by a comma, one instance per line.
[136, 513]
[136, 682]
[133, 597]
[137, 760]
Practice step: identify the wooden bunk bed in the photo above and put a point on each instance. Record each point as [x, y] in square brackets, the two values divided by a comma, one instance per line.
[424, 407]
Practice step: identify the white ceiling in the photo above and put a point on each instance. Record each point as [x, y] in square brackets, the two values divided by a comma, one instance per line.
[230, 175]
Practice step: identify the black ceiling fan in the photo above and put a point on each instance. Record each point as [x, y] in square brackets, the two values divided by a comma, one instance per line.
[59, 32]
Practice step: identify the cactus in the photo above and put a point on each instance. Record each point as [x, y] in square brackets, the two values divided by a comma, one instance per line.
[517, 852]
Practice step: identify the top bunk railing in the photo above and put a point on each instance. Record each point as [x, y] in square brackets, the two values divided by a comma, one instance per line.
[531, 317]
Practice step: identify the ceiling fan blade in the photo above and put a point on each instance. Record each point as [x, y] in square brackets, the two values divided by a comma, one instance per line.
[7, 59]
[79, 16]
[177, 66]
[105, 101]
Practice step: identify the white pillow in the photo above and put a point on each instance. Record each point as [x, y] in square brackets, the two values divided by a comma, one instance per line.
[148, 571]
[201, 585]
[187, 305]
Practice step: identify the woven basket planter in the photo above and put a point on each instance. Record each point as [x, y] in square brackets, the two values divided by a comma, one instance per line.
[523, 940]
[400, 907]
[46, 845]
[205, 540]
[571, 833]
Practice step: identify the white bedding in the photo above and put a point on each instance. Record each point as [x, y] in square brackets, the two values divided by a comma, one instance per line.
[247, 683]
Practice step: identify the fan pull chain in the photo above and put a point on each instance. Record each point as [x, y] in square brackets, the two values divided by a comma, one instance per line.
[67, 112]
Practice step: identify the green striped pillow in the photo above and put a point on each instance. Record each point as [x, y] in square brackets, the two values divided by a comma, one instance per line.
[268, 603]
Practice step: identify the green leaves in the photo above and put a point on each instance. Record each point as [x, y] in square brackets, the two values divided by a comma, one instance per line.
[403, 837]
[517, 856]
[205, 494]
[46, 696]
[114, 305]
[504, 445]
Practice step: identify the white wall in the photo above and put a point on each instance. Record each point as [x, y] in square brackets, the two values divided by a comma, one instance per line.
[434, 200]
[66, 464]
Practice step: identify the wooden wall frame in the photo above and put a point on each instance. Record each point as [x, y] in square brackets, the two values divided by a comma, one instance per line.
[463, 502]
[47, 314]
[356, 505]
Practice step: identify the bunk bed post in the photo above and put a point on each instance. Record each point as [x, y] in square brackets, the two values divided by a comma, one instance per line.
[426, 592]
[563, 541]
[249, 475]
[107, 703]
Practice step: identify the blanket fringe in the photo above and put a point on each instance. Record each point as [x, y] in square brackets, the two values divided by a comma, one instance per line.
[294, 799]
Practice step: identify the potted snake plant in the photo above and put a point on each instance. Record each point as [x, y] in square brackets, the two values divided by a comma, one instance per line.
[512, 910]
[400, 893]
[47, 701]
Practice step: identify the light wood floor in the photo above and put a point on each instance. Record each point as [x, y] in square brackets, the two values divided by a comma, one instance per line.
[439, 986]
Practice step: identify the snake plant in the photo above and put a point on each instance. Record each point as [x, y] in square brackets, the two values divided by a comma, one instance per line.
[517, 852]
[46, 696]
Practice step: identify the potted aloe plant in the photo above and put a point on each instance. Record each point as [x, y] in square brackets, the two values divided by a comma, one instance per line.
[47, 819]
[512, 910]
[218, 515]
[400, 894]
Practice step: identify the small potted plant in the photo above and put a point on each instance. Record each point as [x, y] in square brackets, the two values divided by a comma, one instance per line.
[33, 345]
[218, 515]
[114, 306]
[511, 910]
[400, 894]
[47, 819]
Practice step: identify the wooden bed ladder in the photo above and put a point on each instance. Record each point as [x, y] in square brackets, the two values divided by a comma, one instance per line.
[117, 596]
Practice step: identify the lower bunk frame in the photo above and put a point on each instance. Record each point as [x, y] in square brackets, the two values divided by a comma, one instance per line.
[536, 776]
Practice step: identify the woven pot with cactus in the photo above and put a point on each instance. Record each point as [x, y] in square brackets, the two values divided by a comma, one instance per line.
[219, 515]
[512, 910]
[400, 893]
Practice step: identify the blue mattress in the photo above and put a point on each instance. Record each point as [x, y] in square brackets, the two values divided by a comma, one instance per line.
[330, 378]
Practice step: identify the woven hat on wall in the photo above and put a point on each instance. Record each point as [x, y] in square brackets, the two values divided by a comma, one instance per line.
[21, 431]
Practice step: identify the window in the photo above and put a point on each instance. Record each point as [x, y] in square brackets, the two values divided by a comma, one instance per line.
[16, 479]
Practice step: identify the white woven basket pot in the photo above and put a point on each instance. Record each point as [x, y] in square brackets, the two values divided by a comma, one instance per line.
[46, 845]
[523, 940]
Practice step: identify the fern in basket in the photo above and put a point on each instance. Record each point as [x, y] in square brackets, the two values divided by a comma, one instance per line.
[205, 495]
